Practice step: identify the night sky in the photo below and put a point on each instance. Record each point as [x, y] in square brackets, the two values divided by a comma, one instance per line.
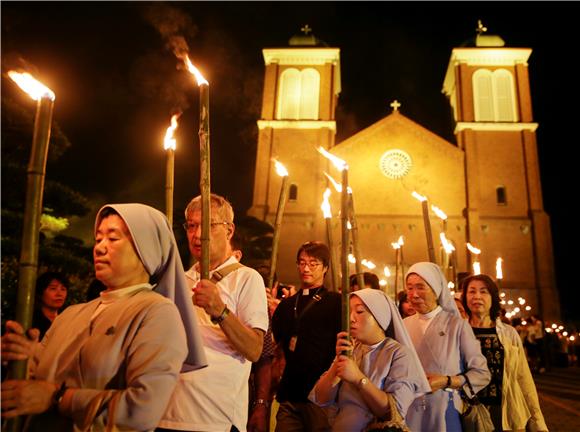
[117, 84]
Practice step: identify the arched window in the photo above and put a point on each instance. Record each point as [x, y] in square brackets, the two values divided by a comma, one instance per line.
[309, 94]
[289, 94]
[298, 94]
[483, 95]
[293, 193]
[504, 97]
[494, 96]
[500, 194]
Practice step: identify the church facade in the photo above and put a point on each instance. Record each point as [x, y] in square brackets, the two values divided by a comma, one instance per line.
[487, 184]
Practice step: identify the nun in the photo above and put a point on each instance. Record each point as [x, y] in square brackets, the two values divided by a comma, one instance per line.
[447, 347]
[115, 360]
[383, 366]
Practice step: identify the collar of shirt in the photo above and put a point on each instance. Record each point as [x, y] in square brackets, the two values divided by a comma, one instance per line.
[111, 296]
[429, 316]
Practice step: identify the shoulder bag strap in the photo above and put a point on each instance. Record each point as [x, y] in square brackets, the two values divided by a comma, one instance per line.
[218, 275]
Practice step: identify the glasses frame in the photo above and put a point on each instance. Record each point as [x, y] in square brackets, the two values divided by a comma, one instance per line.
[186, 227]
[311, 265]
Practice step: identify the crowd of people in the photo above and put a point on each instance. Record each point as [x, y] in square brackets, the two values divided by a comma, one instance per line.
[160, 348]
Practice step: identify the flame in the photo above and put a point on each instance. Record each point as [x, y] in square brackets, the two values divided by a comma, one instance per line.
[348, 225]
[477, 269]
[195, 72]
[326, 204]
[337, 185]
[169, 141]
[440, 213]
[396, 245]
[446, 243]
[35, 89]
[351, 259]
[450, 285]
[400, 241]
[281, 169]
[386, 271]
[473, 249]
[336, 161]
[498, 270]
[368, 264]
[419, 196]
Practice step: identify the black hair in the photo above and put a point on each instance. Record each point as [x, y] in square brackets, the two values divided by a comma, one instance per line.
[370, 279]
[44, 280]
[315, 249]
[491, 288]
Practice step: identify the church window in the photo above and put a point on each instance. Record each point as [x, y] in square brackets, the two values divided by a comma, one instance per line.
[483, 95]
[293, 193]
[395, 164]
[298, 94]
[503, 84]
[501, 196]
[494, 96]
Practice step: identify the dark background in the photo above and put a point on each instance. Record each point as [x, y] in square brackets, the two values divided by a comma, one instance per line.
[117, 84]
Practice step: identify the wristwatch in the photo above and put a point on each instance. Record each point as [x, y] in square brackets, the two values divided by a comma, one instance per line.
[222, 316]
[362, 382]
[58, 395]
[448, 384]
[261, 402]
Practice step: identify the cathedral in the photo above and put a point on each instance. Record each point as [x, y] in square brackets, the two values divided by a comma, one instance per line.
[487, 183]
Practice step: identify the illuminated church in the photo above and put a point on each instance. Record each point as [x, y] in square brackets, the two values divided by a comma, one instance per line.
[487, 183]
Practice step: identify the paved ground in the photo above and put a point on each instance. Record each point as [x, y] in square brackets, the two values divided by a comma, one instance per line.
[559, 392]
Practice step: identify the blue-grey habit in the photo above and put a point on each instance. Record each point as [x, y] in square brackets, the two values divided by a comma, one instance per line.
[448, 347]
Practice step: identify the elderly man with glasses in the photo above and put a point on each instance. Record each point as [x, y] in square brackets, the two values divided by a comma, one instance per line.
[232, 315]
[305, 325]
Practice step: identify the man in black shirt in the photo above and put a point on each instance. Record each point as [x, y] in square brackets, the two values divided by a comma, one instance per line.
[305, 325]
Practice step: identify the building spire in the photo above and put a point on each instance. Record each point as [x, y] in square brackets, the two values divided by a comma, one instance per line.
[481, 29]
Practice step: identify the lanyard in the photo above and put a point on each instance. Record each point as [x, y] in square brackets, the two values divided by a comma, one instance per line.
[315, 299]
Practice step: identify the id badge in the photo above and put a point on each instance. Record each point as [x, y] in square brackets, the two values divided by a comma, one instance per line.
[292, 343]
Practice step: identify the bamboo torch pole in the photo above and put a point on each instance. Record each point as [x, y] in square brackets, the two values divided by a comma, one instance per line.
[281, 170]
[28, 265]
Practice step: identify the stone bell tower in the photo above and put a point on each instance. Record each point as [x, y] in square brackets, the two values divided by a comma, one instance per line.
[489, 91]
[301, 88]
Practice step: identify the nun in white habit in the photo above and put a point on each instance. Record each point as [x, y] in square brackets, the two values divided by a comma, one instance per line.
[447, 348]
[384, 365]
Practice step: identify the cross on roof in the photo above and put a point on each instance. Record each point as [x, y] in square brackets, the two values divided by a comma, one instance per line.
[306, 29]
[480, 28]
[395, 105]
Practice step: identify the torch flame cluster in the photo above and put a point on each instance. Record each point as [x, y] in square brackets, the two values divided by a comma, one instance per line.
[35, 89]
[169, 142]
[194, 71]
[336, 161]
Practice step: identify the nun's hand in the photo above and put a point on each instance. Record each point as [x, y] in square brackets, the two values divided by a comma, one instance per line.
[437, 382]
[26, 397]
[207, 296]
[15, 345]
[347, 370]
[343, 343]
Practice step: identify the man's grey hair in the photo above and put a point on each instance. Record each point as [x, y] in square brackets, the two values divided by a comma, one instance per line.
[221, 208]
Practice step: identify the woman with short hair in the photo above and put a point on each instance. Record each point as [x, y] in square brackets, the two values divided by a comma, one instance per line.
[511, 395]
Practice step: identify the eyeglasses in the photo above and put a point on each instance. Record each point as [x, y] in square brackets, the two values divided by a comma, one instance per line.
[192, 227]
[310, 264]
